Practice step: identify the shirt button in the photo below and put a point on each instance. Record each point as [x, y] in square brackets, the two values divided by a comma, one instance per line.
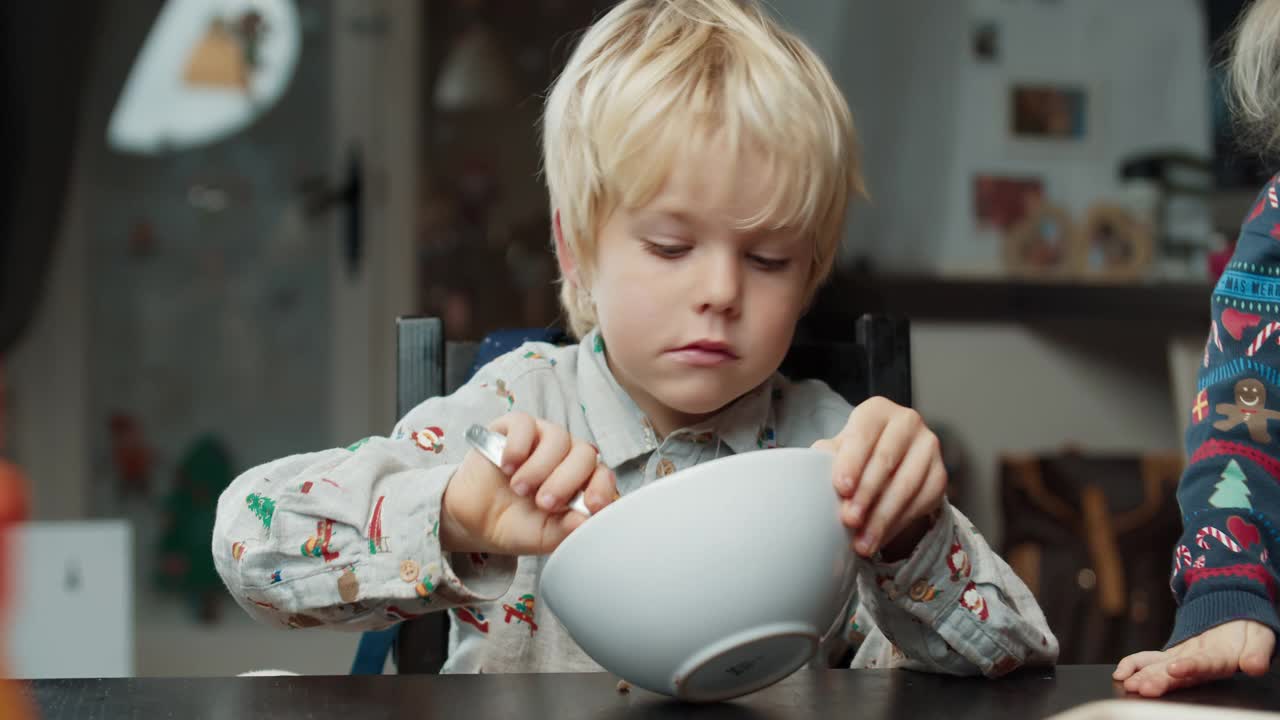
[922, 591]
[409, 571]
[665, 467]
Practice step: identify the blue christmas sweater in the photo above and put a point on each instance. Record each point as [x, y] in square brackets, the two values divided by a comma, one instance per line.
[1226, 564]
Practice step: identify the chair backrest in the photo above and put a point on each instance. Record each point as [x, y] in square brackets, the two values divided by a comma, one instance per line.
[873, 359]
[1090, 534]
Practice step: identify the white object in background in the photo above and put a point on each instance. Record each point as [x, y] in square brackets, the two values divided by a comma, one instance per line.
[1186, 359]
[1151, 710]
[475, 75]
[160, 110]
[71, 613]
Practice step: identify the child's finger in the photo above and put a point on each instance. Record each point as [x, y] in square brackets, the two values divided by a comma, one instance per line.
[555, 528]
[521, 431]
[1203, 666]
[1135, 662]
[827, 444]
[856, 442]
[1150, 683]
[553, 443]
[602, 489]
[568, 477]
[889, 450]
[1259, 643]
[926, 500]
[898, 495]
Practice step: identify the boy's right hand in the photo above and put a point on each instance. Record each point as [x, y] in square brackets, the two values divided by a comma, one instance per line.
[487, 509]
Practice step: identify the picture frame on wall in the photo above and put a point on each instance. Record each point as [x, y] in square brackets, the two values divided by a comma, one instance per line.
[1113, 244]
[1048, 119]
[1002, 200]
[1045, 245]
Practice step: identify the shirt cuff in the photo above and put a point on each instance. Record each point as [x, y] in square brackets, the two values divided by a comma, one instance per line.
[932, 578]
[465, 578]
[414, 564]
[1209, 610]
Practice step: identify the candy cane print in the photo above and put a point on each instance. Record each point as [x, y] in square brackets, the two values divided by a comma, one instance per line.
[1262, 337]
[1183, 556]
[1199, 563]
[1218, 535]
[1217, 339]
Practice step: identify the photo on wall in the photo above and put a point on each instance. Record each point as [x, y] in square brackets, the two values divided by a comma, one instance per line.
[1002, 201]
[1048, 112]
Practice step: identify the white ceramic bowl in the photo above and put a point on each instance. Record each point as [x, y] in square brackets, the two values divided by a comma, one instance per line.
[713, 582]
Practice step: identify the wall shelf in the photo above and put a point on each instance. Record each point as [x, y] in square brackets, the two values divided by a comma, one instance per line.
[1176, 307]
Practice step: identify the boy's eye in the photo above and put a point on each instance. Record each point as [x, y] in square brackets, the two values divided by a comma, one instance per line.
[664, 250]
[769, 264]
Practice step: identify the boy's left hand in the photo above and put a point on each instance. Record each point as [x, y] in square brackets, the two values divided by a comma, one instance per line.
[1221, 651]
[888, 470]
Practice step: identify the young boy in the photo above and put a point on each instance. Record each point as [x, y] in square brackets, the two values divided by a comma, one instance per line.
[700, 160]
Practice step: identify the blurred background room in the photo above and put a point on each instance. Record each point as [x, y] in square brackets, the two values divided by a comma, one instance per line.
[216, 209]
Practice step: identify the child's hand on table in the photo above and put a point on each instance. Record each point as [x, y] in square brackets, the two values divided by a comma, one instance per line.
[888, 470]
[1216, 653]
[487, 509]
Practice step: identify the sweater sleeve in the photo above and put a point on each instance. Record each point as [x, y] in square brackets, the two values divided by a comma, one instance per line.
[1225, 564]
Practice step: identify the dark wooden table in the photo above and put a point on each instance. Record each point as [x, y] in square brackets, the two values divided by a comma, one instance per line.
[852, 694]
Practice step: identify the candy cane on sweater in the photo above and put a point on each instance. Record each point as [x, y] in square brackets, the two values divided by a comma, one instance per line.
[1182, 557]
[1218, 535]
[1217, 339]
[1263, 335]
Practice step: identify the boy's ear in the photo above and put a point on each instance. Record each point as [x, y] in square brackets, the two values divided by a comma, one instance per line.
[568, 263]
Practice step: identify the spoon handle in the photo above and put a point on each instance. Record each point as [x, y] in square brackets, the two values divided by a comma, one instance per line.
[490, 445]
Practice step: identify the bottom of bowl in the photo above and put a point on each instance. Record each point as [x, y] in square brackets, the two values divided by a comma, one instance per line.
[745, 662]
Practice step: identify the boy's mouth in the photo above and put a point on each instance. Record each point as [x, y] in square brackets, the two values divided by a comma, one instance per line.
[704, 353]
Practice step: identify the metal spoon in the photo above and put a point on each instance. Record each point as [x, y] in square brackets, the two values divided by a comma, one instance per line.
[490, 445]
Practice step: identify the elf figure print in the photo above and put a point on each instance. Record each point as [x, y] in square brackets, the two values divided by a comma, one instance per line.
[522, 611]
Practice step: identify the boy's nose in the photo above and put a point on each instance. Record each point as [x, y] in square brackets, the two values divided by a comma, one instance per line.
[720, 286]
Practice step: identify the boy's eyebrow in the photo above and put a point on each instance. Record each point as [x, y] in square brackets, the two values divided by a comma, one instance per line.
[678, 216]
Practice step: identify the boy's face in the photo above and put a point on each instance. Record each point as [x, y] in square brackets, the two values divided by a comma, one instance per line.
[694, 310]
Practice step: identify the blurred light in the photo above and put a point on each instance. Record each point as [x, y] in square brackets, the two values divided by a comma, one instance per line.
[208, 69]
[475, 75]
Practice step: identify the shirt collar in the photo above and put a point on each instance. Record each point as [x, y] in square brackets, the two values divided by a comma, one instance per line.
[622, 431]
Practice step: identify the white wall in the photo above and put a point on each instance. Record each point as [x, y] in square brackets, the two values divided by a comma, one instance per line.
[930, 116]
[1004, 387]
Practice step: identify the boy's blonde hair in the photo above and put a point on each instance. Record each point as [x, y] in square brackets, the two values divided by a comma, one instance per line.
[652, 75]
[1254, 76]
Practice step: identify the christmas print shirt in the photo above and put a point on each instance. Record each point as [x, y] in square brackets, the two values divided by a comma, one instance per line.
[1225, 564]
[348, 538]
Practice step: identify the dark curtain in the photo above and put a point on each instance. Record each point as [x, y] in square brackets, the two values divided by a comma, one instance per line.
[45, 53]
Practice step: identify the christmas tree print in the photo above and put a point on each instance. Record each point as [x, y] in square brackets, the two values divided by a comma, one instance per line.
[1233, 490]
[262, 506]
